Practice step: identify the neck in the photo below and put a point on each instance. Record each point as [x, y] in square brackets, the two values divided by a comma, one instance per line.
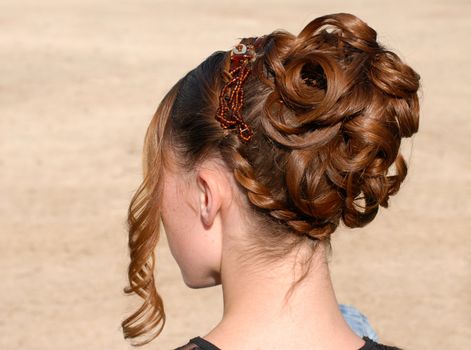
[258, 312]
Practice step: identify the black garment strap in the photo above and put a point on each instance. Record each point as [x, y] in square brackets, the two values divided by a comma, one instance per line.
[369, 344]
[372, 345]
[203, 343]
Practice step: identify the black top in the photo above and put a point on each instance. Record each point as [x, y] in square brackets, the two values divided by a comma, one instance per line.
[199, 343]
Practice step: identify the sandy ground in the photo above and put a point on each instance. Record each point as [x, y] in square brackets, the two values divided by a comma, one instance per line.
[79, 82]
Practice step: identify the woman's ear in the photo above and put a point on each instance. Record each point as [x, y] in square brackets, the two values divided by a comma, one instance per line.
[209, 195]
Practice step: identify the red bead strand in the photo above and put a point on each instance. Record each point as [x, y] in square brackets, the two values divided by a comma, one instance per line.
[232, 97]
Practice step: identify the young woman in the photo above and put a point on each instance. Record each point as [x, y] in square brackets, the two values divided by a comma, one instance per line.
[252, 161]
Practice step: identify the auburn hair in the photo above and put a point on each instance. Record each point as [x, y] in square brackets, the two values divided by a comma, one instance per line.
[328, 109]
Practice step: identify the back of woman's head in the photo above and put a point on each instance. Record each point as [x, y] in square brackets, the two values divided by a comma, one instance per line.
[328, 109]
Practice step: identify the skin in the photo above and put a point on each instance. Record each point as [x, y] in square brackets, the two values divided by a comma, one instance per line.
[204, 221]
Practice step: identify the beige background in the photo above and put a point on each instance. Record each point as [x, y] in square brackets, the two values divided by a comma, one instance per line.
[79, 82]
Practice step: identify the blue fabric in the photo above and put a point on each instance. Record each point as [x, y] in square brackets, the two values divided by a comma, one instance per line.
[358, 322]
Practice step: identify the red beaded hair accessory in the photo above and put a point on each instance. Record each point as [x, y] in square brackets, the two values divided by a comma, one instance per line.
[231, 98]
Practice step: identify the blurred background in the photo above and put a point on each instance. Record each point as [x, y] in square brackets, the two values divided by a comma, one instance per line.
[79, 83]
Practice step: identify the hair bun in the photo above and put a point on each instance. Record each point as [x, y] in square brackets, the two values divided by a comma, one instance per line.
[340, 102]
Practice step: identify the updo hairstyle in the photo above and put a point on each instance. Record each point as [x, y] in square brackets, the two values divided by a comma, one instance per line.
[328, 109]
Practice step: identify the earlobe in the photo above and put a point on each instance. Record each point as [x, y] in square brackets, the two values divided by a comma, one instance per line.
[205, 204]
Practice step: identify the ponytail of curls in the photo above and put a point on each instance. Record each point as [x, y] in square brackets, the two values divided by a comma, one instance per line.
[144, 231]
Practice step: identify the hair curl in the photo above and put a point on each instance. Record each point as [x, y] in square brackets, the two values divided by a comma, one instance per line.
[328, 107]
